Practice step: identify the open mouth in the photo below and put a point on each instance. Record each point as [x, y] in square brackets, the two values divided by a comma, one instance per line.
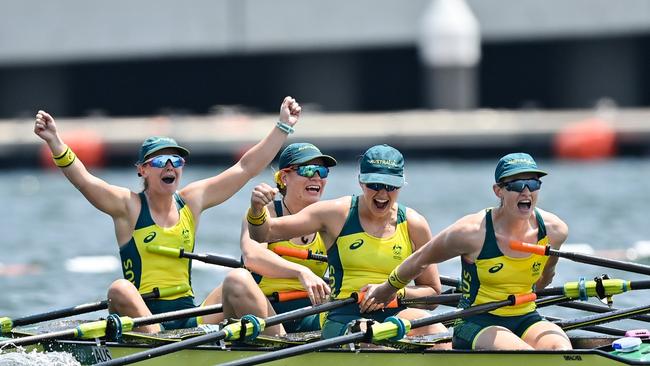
[313, 188]
[380, 204]
[524, 204]
[168, 179]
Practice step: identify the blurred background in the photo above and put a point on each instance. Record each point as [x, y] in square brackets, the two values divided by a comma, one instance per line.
[453, 84]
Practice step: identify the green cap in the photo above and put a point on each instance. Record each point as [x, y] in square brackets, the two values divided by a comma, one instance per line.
[157, 143]
[516, 163]
[302, 152]
[382, 164]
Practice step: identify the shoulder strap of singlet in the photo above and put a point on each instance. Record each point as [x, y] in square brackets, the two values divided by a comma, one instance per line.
[352, 224]
[541, 228]
[490, 248]
[401, 213]
[144, 218]
[278, 208]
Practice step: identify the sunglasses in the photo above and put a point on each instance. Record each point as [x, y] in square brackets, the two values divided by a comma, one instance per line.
[161, 160]
[518, 185]
[379, 186]
[309, 171]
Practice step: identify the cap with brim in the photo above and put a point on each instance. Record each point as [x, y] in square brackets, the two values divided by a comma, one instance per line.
[516, 163]
[157, 143]
[382, 164]
[302, 152]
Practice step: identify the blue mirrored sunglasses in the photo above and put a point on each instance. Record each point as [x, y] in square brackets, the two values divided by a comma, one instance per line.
[161, 160]
[518, 185]
[379, 186]
[309, 171]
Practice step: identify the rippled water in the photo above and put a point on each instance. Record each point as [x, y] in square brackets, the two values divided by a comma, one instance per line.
[46, 223]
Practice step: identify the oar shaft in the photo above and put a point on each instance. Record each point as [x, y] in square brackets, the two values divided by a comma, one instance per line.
[604, 262]
[213, 337]
[79, 309]
[24, 341]
[432, 300]
[297, 350]
[61, 313]
[600, 309]
[594, 328]
[603, 318]
[213, 259]
[178, 314]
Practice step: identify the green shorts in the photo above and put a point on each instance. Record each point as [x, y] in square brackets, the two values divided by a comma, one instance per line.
[338, 319]
[163, 306]
[466, 330]
[306, 324]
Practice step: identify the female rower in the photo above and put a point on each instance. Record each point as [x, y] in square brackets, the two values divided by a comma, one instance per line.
[301, 181]
[490, 269]
[366, 236]
[161, 214]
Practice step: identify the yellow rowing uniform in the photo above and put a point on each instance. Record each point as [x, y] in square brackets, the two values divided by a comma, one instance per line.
[358, 258]
[494, 276]
[270, 285]
[148, 270]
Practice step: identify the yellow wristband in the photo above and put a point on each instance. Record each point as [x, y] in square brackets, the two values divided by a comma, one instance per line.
[256, 220]
[395, 281]
[65, 159]
[401, 293]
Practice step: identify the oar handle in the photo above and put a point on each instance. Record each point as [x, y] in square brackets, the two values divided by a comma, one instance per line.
[288, 296]
[529, 248]
[299, 253]
[207, 258]
[391, 305]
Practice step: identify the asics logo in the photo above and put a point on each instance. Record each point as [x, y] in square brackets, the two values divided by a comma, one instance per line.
[149, 237]
[357, 244]
[496, 268]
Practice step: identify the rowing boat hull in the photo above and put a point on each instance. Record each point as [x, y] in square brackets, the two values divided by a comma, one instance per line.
[90, 353]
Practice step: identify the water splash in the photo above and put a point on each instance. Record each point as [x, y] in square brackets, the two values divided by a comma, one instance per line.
[22, 358]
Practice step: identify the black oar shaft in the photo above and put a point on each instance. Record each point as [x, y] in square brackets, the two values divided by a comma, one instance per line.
[605, 262]
[297, 350]
[594, 328]
[178, 314]
[600, 309]
[60, 313]
[432, 300]
[73, 310]
[213, 259]
[213, 337]
[603, 318]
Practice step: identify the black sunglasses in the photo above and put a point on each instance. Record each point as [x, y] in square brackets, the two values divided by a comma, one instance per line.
[518, 185]
[379, 186]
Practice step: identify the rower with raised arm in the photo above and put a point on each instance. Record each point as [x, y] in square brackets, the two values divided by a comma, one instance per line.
[161, 214]
[491, 269]
[366, 236]
[301, 181]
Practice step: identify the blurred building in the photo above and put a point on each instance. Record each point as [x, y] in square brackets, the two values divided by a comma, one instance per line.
[77, 57]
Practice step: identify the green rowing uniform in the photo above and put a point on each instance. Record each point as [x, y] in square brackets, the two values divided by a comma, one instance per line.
[270, 285]
[356, 259]
[149, 270]
[493, 277]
